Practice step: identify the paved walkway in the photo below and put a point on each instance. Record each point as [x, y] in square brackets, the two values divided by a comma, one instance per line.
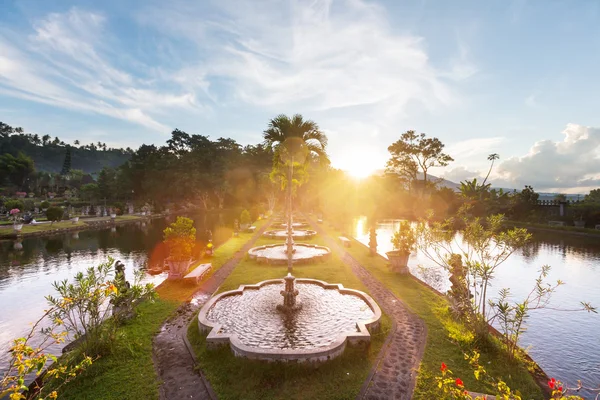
[173, 362]
[394, 375]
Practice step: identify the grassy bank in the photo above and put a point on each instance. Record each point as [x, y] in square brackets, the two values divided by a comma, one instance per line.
[447, 339]
[236, 378]
[128, 372]
[57, 227]
[552, 228]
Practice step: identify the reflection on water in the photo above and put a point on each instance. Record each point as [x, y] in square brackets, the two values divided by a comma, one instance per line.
[566, 345]
[29, 266]
[323, 316]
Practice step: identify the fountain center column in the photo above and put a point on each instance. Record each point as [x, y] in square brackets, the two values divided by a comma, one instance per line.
[289, 294]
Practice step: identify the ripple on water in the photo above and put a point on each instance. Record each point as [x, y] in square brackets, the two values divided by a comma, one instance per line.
[324, 314]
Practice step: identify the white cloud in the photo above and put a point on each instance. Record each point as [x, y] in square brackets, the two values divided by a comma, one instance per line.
[572, 163]
[316, 55]
[459, 174]
[65, 63]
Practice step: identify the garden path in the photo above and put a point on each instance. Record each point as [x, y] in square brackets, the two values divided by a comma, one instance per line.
[173, 356]
[394, 374]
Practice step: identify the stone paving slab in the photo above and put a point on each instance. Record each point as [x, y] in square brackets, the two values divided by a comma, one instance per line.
[175, 366]
[394, 375]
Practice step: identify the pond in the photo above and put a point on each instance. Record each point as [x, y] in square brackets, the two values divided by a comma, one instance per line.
[27, 273]
[565, 344]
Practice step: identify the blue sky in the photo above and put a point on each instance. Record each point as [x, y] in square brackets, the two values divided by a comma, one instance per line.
[518, 78]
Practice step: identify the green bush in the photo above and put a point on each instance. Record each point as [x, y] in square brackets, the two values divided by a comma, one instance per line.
[245, 218]
[28, 205]
[14, 203]
[180, 236]
[54, 214]
[45, 204]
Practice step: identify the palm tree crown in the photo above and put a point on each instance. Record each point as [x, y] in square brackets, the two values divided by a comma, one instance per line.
[282, 128]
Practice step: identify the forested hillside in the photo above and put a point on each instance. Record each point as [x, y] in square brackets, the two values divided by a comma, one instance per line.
[48, 153]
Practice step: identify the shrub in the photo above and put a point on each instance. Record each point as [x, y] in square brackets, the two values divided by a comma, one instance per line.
[82, 308]
[54, 214]
[180, 236]
[44, 204]
[28, 205]
[245, 218]
[14, 203]
[404, 239]
[119, 207]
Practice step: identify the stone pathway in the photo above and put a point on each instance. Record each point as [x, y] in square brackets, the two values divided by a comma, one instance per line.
[394, 373]
[173, 362]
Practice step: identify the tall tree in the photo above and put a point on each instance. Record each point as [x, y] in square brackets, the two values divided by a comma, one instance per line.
[413, 148]
[66, 168]
[16, 169]
[492, 157]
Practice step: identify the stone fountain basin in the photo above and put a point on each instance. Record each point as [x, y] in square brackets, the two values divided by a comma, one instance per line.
[276, 253]
[296, 234]
[294, 225]
[333, 347]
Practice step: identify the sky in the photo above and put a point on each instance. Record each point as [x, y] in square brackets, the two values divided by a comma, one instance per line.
[517, 78]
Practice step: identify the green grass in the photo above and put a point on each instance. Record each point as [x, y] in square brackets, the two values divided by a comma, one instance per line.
[447, 339]
[28, 229]
[237, 378]
[128, 372]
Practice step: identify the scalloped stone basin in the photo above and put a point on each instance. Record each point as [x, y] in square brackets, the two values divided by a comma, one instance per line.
[296, 234]
[294, 225]
[329, 317]
[276, 253]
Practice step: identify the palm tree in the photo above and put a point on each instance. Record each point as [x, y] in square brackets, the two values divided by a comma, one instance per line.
[492, 157]
[282, 128]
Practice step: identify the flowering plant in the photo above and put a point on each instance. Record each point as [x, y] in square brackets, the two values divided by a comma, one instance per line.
[453, 388]
[14, 215]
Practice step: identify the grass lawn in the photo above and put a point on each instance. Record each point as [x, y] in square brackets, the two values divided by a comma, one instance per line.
[49, 227]
[447, 340]
[128, 372]
[237, 378]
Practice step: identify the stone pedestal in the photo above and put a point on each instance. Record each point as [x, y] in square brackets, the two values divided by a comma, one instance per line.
[398, 261]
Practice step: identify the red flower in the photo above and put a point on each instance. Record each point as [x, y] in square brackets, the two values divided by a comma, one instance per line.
[444, 367]
[459, 382]
[560, 388]
[551, 383]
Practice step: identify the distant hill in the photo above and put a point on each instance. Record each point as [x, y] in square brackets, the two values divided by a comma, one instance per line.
[49, 155]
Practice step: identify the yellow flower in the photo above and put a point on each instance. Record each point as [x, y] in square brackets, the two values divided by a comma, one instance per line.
[53, 395]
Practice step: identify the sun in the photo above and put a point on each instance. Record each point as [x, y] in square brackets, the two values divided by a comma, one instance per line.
[359, 171]
[359, 163]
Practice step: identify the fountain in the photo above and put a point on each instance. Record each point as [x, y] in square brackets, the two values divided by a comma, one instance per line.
[289, 252]
[289, 294]
[315, 321]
